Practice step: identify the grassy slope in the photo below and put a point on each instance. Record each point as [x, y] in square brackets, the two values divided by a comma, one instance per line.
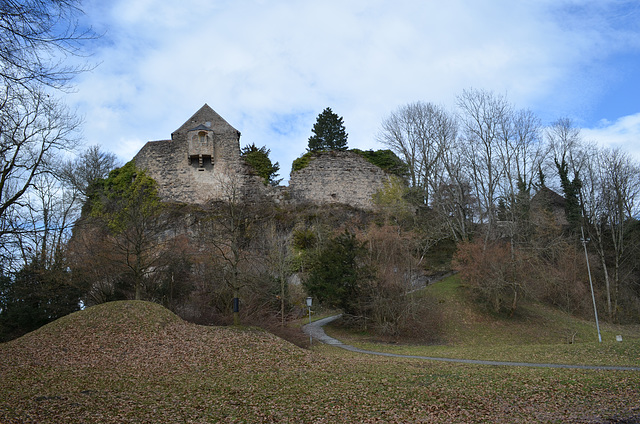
[536, 334]
[136, 362]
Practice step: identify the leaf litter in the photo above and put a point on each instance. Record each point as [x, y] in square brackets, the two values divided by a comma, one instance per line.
[136, 362]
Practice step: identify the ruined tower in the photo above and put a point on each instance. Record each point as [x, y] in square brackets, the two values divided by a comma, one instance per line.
[201, 161]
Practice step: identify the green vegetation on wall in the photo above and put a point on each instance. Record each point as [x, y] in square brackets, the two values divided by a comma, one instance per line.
[303, 161]
[127, 193]
[385, 160]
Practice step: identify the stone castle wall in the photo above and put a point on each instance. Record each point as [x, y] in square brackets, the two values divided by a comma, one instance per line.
[337, 177]
[185, 178]
[202, 163]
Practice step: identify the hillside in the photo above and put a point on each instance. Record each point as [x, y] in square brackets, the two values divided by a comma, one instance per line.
[468, 323]
[135, 362]
[116, 359]
[536, 333]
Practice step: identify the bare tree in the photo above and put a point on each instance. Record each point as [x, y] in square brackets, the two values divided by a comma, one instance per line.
[451, 183]
[529, 151]
[483, 116]
[91, 165]
[610, 193]
[37, 36]
[279, 258]
[565, 143]
[233, 231]
[569, 155]
[418, 133]
[34, 129]
[521, 154]
[40, 223]
[621, 192]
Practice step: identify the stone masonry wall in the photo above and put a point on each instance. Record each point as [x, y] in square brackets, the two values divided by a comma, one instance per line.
[332, 177]
[337, 177]
[183, 180]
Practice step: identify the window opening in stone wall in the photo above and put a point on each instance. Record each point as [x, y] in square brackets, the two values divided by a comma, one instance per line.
[201, 149]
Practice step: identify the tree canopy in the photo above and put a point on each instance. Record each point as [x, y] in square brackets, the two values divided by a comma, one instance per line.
[328, 132]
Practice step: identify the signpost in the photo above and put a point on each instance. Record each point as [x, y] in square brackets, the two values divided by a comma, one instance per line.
[309, 302]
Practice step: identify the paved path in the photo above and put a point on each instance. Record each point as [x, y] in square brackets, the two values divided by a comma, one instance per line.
[316, 331]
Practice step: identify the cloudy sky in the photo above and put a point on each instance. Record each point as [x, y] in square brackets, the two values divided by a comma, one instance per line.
[270, 67]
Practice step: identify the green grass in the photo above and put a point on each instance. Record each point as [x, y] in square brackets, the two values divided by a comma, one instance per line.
[135, 362]
[536, 334]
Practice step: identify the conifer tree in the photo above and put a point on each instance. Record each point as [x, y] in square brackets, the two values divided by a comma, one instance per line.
[328, 132]
[259, 160]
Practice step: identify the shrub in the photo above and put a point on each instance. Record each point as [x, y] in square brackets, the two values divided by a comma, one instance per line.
[497, 274]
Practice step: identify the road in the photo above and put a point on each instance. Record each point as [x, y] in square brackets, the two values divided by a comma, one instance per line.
[316, 331]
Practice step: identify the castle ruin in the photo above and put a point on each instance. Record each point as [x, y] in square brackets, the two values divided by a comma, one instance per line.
[202, 161]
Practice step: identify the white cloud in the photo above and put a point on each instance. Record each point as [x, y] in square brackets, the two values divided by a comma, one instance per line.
[270, 67]
[623, 134]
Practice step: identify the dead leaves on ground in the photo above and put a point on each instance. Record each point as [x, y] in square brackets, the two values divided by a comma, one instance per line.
[135, 362]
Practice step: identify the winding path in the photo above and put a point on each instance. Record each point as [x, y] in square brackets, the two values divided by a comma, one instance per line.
[316, 331]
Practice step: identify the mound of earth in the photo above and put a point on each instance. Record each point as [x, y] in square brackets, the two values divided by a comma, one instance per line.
[133, 334]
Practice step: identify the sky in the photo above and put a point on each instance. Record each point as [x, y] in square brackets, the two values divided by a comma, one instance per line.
[270, 67]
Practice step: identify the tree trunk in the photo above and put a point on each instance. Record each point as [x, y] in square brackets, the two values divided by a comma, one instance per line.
[606, 282]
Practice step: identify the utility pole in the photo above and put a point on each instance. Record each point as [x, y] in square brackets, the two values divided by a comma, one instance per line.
[593, 297]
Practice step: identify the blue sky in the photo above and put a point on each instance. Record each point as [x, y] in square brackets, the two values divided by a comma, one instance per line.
[270, 67]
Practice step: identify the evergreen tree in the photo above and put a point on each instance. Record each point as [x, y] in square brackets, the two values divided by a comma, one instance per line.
[259, 160]
[35, 296]
[336, 272]
[328, 132]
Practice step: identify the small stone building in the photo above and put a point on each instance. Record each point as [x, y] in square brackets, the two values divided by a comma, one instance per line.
[548, 208]
[201, 162]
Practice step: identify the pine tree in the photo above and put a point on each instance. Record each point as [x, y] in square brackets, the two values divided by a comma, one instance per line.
[328, 133]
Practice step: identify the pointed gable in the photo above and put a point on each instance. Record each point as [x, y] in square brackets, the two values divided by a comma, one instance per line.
[208, 118]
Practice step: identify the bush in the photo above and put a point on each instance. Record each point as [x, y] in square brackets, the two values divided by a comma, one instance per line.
[498, 275]
[337, 272]
[258, 159]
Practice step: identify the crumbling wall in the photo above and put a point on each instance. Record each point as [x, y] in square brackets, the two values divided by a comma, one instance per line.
[215, 171]
[337, 177]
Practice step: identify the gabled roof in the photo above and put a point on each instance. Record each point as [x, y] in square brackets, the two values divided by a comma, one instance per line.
[545, 197]
[201, 117]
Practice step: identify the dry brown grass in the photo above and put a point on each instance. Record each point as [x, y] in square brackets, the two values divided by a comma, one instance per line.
[135, 362]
